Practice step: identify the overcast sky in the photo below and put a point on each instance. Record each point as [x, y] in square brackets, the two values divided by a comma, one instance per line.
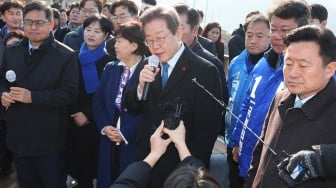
[229, 13]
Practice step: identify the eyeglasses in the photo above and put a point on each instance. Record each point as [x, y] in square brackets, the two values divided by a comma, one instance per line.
[120, 18]
[37, 23]
[91, 11]
[159, 41]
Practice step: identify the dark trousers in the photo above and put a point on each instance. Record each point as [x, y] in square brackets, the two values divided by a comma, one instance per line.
[115, 162]
[41, 171]
[5, 154]
[235, 180]
[82, 154]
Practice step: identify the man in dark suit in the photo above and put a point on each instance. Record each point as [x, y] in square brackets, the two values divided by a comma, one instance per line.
[200, 113]
[37, 102]
[207, 44]
[122, 11]
[190, 23]
[5, 154]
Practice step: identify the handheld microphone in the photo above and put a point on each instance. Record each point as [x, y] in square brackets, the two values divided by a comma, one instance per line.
[154, 62]
[11, 77]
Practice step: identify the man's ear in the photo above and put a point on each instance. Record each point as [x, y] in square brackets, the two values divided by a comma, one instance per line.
[179, 33]
[324, 23]
[331, 69]
[51, 25]
[195, 30]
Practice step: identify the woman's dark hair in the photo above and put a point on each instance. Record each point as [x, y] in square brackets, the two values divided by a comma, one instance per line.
[105, 23]
[210, 26]
[191, 177]
[132, 31]
[13, 34]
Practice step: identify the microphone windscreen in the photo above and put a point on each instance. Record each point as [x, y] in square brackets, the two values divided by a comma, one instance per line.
[10, 76]
[153, 61]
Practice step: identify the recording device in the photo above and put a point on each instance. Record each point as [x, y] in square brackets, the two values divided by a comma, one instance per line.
[154, 62]
[298, 170]
[11, 77]
[173, 111]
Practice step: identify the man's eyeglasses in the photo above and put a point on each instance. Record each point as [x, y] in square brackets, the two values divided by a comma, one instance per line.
[35, 22]
[91, 11]
[120, 18]
[159, 41]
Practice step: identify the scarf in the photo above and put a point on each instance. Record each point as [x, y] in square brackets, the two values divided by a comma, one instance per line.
[88, 61]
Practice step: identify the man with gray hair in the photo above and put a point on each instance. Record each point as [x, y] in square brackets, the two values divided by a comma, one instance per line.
[171, 87]
[301, 117]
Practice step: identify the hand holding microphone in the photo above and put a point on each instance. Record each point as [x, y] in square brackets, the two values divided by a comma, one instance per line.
[147, 75]
[17, 93]
[6, 98]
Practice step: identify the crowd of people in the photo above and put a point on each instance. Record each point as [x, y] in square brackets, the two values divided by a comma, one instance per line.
[116, 95]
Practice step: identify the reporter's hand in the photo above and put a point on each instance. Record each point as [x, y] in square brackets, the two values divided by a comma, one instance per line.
[158, 146]
[299, 167]
[178, 137]
[80, 119]
[147, 74]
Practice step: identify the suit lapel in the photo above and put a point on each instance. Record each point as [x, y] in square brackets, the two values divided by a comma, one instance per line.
[181, 68]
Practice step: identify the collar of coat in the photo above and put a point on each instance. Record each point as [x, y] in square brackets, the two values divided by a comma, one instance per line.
[313, 107]
[25, 42]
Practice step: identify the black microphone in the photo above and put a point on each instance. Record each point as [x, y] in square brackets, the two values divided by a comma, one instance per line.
[154, 62]
[11, 78]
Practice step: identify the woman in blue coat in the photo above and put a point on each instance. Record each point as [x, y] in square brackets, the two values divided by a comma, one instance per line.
[82, 141]
[117, 127]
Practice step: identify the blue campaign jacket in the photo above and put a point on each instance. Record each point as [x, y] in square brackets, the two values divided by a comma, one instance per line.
[266, 81]
[104, 113]
[238, 82]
